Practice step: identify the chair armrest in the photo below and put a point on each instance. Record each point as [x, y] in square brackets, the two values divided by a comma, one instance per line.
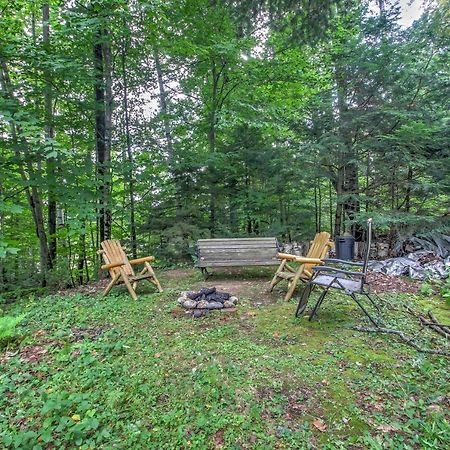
[299, 259]
[112, 265]
[333, 269]
[142, 260]
[343, 261]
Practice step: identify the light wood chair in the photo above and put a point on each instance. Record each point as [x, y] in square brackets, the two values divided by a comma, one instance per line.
[121, 269]
[319, 248]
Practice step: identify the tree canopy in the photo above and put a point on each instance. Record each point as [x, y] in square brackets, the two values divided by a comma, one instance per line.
[162, 122]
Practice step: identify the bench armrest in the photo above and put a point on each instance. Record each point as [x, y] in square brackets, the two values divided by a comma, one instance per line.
[142, 260]
[299, 259]
[112, 265]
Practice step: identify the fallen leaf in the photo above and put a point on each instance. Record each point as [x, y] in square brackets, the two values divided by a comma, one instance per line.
[158, 355]
[325, 382]
[276, 334]
[76, 418]
[320, 425]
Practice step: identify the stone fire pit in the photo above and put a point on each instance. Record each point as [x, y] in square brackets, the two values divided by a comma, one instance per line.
[205, 300]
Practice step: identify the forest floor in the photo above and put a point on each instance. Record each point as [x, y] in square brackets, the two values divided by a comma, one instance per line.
[91, 372]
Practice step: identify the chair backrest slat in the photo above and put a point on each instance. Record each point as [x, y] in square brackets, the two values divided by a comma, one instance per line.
[113, 253]
[319, 248]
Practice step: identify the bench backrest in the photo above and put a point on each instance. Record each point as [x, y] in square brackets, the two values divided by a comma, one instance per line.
[237, 252]
[112, 252]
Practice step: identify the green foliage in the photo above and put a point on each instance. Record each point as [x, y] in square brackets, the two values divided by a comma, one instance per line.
[445, 291]
[114, 370]
[8, 326]
[229, 119]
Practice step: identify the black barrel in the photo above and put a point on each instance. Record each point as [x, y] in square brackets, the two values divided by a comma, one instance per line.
[345, 248]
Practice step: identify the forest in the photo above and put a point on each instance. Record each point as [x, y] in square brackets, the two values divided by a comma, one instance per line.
[143, 140]
[161, 122]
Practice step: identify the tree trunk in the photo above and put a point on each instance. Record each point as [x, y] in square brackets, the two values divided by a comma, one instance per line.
[49, 135]
[32, 192]
[163, 108]
[102, 149]
[109, 106]
[350, 184]
[212, 148]
[129, 155]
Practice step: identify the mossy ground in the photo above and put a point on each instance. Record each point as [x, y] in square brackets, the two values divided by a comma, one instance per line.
[115, 373]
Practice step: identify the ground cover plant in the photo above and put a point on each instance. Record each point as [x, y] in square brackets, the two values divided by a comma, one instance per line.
[92, 372]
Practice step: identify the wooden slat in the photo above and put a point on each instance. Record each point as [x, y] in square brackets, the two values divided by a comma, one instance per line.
[269, 239]
[237, 263]
[237, 252]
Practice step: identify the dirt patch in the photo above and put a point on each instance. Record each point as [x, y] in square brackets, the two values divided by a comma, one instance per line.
[90, 289]
[80, 334]
[381, 282]
[33, 353]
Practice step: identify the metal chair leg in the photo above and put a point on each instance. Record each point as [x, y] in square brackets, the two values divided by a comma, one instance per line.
[304, 297]
[353, 296]
[319, 302]
[372, 301]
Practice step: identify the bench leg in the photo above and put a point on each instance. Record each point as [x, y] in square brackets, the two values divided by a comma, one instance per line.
[205, 273]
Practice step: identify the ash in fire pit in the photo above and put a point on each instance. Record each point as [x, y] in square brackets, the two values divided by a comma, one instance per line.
[205, 300]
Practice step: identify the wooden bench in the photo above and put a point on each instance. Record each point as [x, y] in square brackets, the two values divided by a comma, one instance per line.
[237, 252]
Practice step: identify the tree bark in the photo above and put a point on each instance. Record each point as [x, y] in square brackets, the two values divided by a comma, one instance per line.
[129, 155]
[31, 190]
[350, 184]
[163, 108]
[49, 135]
[102, 149]
[109, 106]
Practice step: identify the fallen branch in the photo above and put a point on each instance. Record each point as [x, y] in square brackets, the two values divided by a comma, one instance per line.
[434, 327]
[441, 325]
[407, 340]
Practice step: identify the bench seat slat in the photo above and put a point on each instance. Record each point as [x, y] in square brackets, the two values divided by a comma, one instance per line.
[237, 252]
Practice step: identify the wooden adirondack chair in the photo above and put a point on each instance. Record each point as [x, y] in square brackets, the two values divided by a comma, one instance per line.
[320, 246]
[121, 269]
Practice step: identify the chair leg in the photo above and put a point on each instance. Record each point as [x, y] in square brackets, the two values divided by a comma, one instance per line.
[154, 279]
[304, 297]
[353, 296]
[111, 284]
[128, 285]
[372, 301]
[276, 279]
[317, 305]
[294, 282]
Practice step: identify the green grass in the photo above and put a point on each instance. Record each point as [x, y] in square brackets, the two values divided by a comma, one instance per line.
[115, 373]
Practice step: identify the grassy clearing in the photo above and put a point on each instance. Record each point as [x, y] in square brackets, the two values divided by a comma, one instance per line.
[114, 373]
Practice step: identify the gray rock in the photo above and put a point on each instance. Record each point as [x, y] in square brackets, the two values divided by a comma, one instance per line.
[203, 304]
[198, 313]
[228, 304]
[234, 300]
[214, 305]
[189, 304]
[181, 300]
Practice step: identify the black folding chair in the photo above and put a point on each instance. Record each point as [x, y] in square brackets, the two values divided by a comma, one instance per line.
[348, 281]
